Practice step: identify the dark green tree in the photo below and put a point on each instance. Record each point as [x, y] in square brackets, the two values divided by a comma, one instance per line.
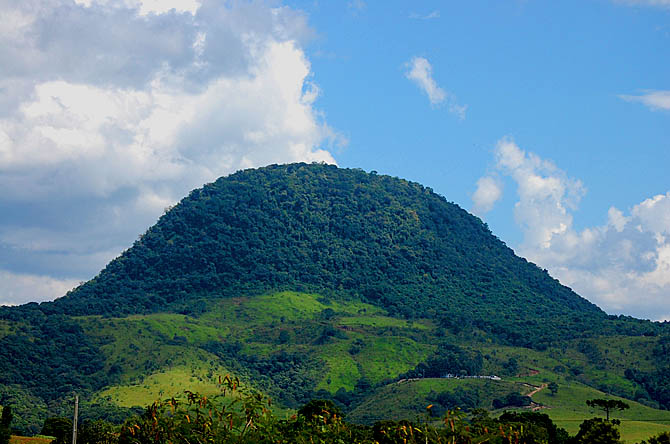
[97, 432]
[6, 416]
[662, 438]
[553, 388]
[511, 366]
[5, 435]
[284, 337]
[597, 431]
[554, 435]
[58, 427]
[321, 410]
[5, 430]
[607, 405]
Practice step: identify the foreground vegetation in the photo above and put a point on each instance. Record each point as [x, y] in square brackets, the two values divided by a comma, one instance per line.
[242, 416]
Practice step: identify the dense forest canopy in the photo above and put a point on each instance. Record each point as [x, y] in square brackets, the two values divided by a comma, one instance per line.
[340, 232]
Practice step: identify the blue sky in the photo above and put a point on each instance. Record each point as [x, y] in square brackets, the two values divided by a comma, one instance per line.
[550, 120]
[548, 74]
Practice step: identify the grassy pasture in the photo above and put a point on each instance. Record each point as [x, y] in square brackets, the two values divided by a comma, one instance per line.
[388, 356]
[407, 399]
[165, 346]
[369, 344]
[380, 321]
[164, 384]
[568, 409]
[341, 369]
[31, 439]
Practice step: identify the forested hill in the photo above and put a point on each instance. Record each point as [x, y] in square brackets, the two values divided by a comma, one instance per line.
[342, 233]
[310, 282]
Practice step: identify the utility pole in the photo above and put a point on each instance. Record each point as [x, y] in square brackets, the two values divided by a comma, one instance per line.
[74, 422]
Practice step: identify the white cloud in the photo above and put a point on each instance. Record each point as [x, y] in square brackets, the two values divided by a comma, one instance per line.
[112, 111]
[654, 213]
[546, 193]
[656, 100]
[126, 137]
[22, 288]
[616, 219]
[488, 192]
[162, 6]
[430, 16]
[420, 71]
[145, 7]
[623, 266]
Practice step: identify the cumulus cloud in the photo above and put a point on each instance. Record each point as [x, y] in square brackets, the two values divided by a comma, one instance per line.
[111, 111]
[546, 194]
[21, 288]
[420, 71]
[623, 265]
[488, 192]
[656, 100]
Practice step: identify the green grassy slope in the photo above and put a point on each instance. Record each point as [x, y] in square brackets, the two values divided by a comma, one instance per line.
[355, 352]
[148, 351]
[567, 408]
[367, 345]
[163, 384]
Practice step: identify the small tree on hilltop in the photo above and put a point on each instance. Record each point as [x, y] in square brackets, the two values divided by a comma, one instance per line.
[607, 405]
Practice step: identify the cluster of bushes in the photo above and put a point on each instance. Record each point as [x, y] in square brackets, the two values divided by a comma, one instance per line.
[52, 355]
[444, 401]
[512, 400]
[295, 373]
[656, 383]
[449, 359]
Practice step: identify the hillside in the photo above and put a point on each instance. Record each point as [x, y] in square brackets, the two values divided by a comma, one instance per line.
[315, 281]
[337, 232]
